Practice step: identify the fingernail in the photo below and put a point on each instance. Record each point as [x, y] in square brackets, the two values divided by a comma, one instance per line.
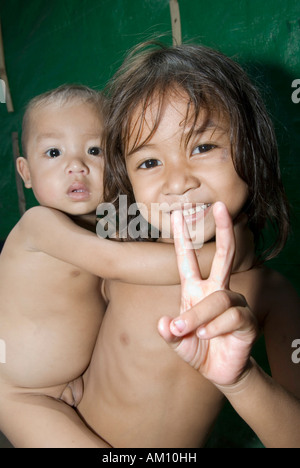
[179, 325]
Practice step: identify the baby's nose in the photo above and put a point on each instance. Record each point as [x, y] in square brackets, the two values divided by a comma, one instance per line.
[77, 166]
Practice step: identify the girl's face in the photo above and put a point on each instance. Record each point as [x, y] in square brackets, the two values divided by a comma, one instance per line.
[65, 163]
[168, 173]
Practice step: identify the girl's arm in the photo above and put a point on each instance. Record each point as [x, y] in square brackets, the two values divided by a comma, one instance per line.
[268, 408]
[54, 233]
[271, 405]
[216, 330]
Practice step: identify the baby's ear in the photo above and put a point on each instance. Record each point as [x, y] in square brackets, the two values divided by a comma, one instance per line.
[23, 170]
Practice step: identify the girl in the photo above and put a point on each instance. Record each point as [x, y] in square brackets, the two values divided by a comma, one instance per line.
[186, 126]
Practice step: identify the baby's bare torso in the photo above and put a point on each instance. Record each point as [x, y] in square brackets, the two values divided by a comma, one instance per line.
[50, 313]
[138, 392]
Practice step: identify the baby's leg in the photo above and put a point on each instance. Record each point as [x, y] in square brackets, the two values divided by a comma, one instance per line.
[40, 421]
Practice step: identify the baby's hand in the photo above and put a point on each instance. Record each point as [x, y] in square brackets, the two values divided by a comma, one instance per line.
[216, 329]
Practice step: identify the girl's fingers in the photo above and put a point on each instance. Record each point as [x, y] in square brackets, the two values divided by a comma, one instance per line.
[211, 307]
[235, 319]
[225, 247]
[164, 330]
[186, 257]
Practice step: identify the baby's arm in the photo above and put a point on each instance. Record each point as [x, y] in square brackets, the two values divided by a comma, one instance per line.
[52, 232]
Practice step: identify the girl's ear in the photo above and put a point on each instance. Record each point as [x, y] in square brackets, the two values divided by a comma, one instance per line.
[23, 170]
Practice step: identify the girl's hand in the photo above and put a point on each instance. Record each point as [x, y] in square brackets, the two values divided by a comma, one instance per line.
[216, 329]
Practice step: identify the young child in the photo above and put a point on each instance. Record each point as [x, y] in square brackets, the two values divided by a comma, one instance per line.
[51, 308]
[51, 305]
[185, 125]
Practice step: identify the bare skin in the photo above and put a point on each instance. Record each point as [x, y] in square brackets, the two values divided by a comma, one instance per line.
[218, 345]
[164, 400]
[138, 392]
[42, 298]
[51, 305]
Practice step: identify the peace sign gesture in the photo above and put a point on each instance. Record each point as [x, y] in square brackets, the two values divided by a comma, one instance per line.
[215, 330]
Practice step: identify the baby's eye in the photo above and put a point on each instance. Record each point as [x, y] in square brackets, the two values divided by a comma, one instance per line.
[150, 164]
[205, 148]
[95, 151]
[53, 152]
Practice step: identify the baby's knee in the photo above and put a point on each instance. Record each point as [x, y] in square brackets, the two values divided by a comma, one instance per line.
[73, 392]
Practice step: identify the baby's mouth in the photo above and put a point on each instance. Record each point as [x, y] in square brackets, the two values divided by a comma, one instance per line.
[78, 191]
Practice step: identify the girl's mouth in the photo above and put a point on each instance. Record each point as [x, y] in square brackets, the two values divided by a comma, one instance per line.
[195, 213]
[199, 208]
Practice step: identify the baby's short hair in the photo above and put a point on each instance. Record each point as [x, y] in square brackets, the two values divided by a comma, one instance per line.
[61, 96]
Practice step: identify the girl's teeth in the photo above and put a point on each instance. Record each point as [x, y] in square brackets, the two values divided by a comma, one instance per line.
[197, 209]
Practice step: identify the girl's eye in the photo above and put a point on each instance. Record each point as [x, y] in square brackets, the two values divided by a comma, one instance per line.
[150, 164]
[205, 148]
[95, 151]
[53, 153]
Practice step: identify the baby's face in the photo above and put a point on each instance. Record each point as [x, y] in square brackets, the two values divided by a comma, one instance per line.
[65, 163]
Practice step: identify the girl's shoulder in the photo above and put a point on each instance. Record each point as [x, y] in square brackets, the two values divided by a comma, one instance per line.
[274, 285]
[267, 292]
[282, 297]
[281, 328]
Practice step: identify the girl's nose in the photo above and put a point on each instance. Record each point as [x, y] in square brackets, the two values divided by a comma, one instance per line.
[179, 179]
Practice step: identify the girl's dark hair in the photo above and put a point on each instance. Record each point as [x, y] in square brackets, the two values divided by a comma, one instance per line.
[213, 83]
